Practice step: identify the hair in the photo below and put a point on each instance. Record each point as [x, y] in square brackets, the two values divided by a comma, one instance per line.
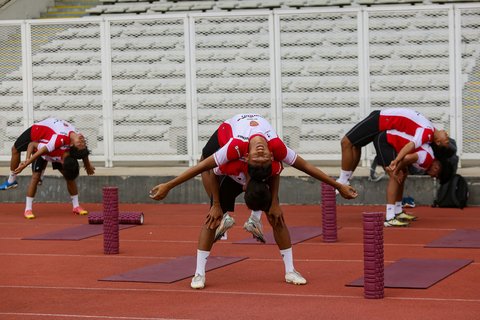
[260, 172]
[71, 169]
[446, 171]
[442, 153]
[78, 153]
[258, 195]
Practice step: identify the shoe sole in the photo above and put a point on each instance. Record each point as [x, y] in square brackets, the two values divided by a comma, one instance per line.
[393, 225]
[225, 228]
[29, 218]
[295, 283]
[11, 187]
[197, 288]
[256, 235]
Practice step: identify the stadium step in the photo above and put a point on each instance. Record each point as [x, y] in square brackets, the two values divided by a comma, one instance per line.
[69, 9]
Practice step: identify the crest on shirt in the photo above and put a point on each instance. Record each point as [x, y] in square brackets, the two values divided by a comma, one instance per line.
[253, 123]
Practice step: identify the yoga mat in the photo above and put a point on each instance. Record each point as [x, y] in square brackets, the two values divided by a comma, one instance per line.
[171, 271]
[75, 233]
[463, 238]
[297, 234]
[417, 273]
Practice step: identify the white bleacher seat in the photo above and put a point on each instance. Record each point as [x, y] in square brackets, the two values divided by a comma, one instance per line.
[227, 5]
[122, 86]
[210, 69]
[160, 7]
[46, 87]
[53, 45]
[10, 102]
[140, 7]
[397, 66]
[202, 5]
[63, 72]
[84, 102]
[46, 102]
[91, 87]
[248, 4]
[166, 70]
[130, 56]
[88, 72]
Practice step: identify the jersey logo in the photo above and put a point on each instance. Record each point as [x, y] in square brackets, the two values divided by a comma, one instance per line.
[253, 123]
[238, 151]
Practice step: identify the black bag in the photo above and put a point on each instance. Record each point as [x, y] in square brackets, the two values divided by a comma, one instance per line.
[453, 194]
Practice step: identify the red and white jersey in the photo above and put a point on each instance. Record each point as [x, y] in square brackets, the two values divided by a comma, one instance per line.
[52, 133]
[237, 170]
[56, 155]
[407, 121]
[425, 153]
[235, 133]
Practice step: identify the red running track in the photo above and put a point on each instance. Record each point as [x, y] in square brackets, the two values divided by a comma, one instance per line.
[59, 279]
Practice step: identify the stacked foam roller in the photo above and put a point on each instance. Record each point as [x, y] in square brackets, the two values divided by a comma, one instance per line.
[111, 243]
[373, 255]
[124, 217]
[329, 213]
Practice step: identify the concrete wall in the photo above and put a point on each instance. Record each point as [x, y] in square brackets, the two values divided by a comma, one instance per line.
[294, 190]
[24, 9]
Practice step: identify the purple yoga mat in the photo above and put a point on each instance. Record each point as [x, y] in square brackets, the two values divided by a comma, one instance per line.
[171, 271]
[464, 238]
[297, 234]
[417, 273]
[75, 233]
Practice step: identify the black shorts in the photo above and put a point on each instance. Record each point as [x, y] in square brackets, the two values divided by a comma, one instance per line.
[39, 164]
[385, 151]
[365, 131]
[21, 144]
[212, 146]
[229, 188]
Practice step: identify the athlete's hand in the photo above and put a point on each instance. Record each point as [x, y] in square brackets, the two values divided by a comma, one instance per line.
[90, 169]
[159, 192]
[347, 192]
[393, 165]
[20, 167]
[214, 216]
[275, 215]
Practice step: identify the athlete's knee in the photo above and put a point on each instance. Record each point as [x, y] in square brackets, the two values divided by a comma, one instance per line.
[14, 150]
[346, 143]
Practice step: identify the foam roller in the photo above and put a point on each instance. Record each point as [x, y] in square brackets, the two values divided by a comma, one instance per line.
[124, 217]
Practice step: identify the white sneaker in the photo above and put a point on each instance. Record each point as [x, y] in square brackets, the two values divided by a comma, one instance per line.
[254, 226]
[198, 282]
[227, 223]
[295, 277]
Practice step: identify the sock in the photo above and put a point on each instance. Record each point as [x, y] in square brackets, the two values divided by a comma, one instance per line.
[398, 207]
[202, 257]
[344, 176]
[75, 202]
[28, 203]
[12, 177]
[256, 214]
[390, 211]
[287, 256]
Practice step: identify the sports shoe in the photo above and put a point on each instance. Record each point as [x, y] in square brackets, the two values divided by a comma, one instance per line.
[395, 223]
[408, 202]
[403, 216]
[295, 277]
[80, 211]
[28, 214]
[254, 226]
[227, 223]
[198, 282]
[6, 185]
